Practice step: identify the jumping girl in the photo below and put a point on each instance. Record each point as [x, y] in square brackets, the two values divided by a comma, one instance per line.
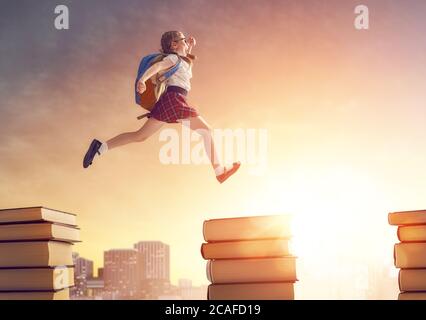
[172, 107]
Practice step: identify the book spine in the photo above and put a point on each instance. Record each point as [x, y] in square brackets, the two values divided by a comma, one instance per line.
[67, 241]
[399, 280]
[209, 271]
[34, 267]
[202, 251]
[204, 231]
[394, 255]
[390, 219]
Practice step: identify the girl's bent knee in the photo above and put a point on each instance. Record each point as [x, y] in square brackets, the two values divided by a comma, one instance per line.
[206, 132]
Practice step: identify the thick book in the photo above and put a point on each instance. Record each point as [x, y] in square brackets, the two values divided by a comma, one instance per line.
[407, 217]
[36, 279]
[247, 228]
[252, 270]
[245, 249]
[251, 291]
[412, 296]
[39, 231]
[35, 254]
[410, 255]
[412, 233]
[36, 295]
[33, 214]
[412, 280]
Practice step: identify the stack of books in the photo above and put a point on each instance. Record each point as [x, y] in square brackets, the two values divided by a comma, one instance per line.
[36, 253]
[249, 258]
[410, 253]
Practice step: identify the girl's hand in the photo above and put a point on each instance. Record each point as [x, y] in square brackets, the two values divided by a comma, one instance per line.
[191, 41]
[141, 87]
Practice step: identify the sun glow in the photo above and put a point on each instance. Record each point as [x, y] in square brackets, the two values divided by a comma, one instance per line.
[335, 213]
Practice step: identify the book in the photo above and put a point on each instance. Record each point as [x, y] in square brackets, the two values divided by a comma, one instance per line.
[33, 214]
[412, 296]
[245, 249]
[39, 231]
[252, 270]
[412, 233]
[36, 295]
[247, 228]
[35, 254]
[251, 291]
[410, 255]
[407, 217]
[36, 279]
[412, 280]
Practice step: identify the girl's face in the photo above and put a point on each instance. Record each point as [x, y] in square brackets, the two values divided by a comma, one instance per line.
[180, 45]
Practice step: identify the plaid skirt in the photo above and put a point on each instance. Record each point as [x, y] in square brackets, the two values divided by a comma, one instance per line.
[172, 107]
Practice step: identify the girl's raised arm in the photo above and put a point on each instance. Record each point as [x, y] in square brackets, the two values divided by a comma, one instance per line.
[156, 68]
[191, 44]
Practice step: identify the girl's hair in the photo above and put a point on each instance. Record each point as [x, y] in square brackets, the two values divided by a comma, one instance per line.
[166, 43]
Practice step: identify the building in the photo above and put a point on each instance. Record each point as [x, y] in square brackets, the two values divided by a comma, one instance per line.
[100, 273]
[155, 269]
[122, 272]
[156, 259]
[83, 270]
[382, 282]
[187, 292]
[95, 289]
[84, 266]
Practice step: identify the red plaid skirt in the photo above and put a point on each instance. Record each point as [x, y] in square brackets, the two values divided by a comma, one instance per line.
[172, 107]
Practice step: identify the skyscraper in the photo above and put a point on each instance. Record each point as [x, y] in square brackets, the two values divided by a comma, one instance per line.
[155, 269]
[84, 266]
[100, 273]
[83, 270]
[188, 292]
[156, 259]
[122, 272]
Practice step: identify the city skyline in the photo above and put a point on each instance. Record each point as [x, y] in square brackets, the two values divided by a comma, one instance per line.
[100, 266]
[137, 273]
[141, 272]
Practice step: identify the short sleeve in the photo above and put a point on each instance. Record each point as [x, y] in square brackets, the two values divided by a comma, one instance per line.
[171, 57]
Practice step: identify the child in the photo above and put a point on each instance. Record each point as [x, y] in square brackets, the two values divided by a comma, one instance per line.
[172, 107]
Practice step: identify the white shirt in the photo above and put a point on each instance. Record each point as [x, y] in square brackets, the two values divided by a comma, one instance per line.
[182, 76]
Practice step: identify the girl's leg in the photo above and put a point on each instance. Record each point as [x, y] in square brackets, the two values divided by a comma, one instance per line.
[198, 123]
[222, 173]
[148, 129]
[97, 147]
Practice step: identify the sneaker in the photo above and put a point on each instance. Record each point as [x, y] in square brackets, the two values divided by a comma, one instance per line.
[90, 154]
[227, 173]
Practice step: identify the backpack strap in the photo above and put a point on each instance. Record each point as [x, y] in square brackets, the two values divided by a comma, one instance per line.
[172, 71]
[161, 79]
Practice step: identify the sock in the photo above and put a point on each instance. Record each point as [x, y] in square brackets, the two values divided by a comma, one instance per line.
[103, 148]
[219, 170]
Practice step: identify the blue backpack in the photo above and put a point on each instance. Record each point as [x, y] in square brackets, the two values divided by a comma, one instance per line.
[155, 86]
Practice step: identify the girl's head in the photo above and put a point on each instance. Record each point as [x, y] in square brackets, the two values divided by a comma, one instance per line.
[175, 42]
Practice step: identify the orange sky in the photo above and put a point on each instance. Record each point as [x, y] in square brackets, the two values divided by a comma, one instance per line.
[344, 111]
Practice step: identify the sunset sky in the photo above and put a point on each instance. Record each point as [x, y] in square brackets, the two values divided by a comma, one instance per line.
[344, 110]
